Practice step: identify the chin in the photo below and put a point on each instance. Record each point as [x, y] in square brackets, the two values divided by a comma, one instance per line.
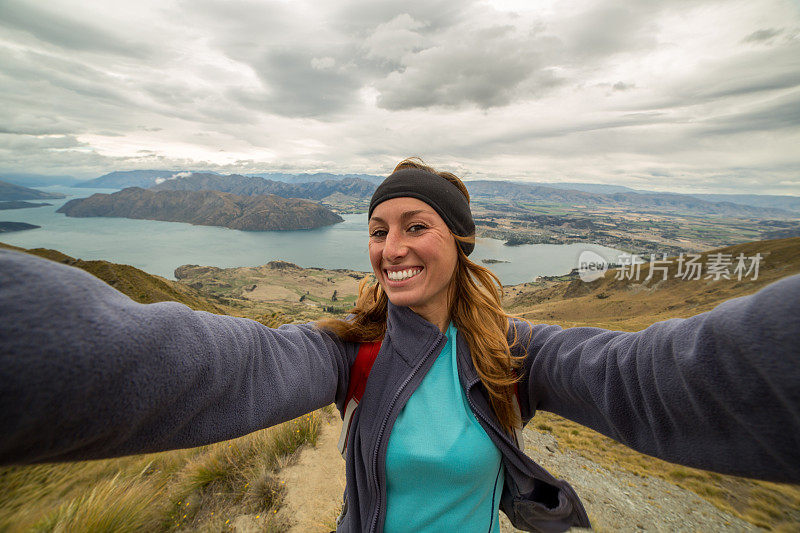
[402, 300]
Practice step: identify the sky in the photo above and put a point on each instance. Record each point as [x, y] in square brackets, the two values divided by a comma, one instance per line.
[679, 95]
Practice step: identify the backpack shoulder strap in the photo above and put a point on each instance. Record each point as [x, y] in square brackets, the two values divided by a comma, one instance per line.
[359, 372]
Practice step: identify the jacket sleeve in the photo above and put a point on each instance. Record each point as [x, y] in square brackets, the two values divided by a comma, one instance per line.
[86, 372]
[718, 391]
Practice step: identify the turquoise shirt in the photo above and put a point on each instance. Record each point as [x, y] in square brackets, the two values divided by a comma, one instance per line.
[443, 472]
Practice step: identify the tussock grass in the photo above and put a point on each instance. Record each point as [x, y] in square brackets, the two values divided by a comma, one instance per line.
[115, 504]
[211, 488]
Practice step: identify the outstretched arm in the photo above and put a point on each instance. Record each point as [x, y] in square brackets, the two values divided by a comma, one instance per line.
[86, 372]
[718, 391]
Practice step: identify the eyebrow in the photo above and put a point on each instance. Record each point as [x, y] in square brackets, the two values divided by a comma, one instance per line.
[406, 215]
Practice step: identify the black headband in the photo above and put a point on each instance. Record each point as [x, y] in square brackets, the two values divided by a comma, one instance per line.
[444, 197]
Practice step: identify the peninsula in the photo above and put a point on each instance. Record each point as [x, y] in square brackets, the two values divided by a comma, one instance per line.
[11, 192]
[205, 208]
[19, 204]
[6, 227]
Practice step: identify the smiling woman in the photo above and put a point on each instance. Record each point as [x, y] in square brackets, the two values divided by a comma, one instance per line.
[413, 256]
[85, 373]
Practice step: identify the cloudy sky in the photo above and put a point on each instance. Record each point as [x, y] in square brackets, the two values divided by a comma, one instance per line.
[680, 95]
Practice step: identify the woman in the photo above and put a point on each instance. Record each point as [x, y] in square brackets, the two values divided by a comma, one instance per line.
[85, 373]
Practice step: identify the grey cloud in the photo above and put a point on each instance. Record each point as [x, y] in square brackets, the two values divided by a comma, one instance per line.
[628, 120]
[607, 29]
[456, 73]
[45, 94]
[756, 71]
[778, 114]
[29, 142]
[751, 72]
[762, 35]
[361, 18]
[296, 86]
[621, 86]
[244, 28]
[63, 30]
[258, 16]
[47, 70]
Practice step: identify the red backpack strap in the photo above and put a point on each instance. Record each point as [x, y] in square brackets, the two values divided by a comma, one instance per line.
[359, 372]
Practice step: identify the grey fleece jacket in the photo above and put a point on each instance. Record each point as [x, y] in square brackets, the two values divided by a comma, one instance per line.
[85, 373]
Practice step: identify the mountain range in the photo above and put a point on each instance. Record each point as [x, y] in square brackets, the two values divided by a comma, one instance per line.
[486, 190]
[554, 192]
[250, 185]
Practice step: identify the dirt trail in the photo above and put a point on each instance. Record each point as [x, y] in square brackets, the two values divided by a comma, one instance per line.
[615, 499]
[315, 483]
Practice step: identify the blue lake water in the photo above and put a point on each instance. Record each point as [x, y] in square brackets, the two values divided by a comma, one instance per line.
[159, 247]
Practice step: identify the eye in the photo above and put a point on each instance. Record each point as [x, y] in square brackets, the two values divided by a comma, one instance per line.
[416, 228]
[377, 233]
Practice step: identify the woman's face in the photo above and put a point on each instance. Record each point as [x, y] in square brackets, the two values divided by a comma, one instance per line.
[413, 256]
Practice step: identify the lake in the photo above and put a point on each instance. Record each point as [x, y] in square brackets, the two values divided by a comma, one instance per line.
[159, 247]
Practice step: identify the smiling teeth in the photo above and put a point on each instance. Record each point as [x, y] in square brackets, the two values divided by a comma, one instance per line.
[402, 274]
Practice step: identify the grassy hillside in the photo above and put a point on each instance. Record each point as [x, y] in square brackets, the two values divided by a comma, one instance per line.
[631, 305]
[628, 305]
[138, 285]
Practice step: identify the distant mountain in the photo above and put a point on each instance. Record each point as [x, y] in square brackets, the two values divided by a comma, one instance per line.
[786, 202]
[318, 176]
[147, 178]
[789, 203]
[250, 185]
[38, 180]
[9, 191]
[206, 208]
[665, 202]
[589, 187]
[121, 179]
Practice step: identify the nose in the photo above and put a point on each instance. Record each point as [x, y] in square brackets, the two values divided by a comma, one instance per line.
[394, 247]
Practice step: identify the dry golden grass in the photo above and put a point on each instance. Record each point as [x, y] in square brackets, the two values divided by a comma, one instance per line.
[207, 488]
[628, 305]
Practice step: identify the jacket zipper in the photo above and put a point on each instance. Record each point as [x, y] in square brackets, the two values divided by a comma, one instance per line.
[579, 508]
[483, 417]
[377, 514]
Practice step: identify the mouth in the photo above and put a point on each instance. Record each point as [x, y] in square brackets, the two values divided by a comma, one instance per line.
[402, 275]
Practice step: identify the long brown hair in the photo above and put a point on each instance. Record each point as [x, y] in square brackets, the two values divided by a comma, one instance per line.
[475, 307]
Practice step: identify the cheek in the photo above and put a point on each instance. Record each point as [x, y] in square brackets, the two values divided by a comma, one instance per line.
[375, 256]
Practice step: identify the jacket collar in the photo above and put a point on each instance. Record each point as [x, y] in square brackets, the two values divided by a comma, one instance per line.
[412, 337]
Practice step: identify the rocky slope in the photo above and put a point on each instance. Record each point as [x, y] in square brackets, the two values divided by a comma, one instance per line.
[206, 208]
